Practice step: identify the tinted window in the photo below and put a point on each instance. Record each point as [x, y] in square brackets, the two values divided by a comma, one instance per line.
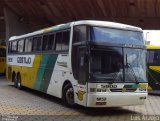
[14, 46]
[45, 42]
[2, 52]
[153, 57]
[65, 40]
[62, 41]
[58, 40]
[107, 64]
[28, 45]
[36, 44]
[39, 44]
[10, 47]
[20, 45]
[117, 36]
[48, 41]
[79, 34]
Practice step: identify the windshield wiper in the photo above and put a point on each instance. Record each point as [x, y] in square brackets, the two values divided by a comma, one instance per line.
[128, 65]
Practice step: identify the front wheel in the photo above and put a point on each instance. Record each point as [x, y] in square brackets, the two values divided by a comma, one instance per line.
[68, 95]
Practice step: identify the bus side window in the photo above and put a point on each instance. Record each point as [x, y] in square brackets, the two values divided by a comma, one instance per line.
[3, 52]
[28, 45]
[36, 44]
[156, 57]
[65, 40]
[51, 42]
[58, 41]
[14, 46]
[39, 44]
[45, 42]
[20, 45]
[10, 47]
[79, 34]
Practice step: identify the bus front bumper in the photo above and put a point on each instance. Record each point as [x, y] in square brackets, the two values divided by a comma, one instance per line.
[115, 99]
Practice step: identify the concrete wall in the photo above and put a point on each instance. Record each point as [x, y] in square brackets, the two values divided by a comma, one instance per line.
[15, 25]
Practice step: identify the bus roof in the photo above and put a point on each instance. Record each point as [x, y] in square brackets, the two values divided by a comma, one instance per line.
[149, 47]
[108, 24]
[42, 31]
[82, 22]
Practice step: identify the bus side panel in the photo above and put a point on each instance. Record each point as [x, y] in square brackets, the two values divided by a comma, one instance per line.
[40, 73]
[30, 73]
[48, 72]
[60, 74]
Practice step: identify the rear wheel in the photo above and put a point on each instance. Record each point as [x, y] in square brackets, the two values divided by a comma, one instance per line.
[68, 95]
[14, 79]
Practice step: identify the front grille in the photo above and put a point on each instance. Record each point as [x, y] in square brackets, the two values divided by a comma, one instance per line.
[123, 90]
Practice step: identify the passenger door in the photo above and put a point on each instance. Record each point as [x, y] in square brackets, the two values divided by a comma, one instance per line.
[82, 65]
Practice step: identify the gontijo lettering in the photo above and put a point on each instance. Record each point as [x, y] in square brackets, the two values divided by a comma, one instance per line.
[26, 60]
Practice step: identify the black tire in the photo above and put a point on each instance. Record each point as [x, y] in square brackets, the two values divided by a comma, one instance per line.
[68, 96]
[19, 86]
[14, 79]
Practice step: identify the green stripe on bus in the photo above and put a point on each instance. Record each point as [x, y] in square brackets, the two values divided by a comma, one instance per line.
[134, 86]
[48, 72]
[40, 72]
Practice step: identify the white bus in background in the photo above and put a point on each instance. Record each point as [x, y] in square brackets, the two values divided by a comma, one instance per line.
[90, 63]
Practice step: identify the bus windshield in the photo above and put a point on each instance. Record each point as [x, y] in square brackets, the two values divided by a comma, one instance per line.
[114, 64]
[117, 36]
[134, 65]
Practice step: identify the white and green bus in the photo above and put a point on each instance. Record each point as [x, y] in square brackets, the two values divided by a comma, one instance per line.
[90, 63]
